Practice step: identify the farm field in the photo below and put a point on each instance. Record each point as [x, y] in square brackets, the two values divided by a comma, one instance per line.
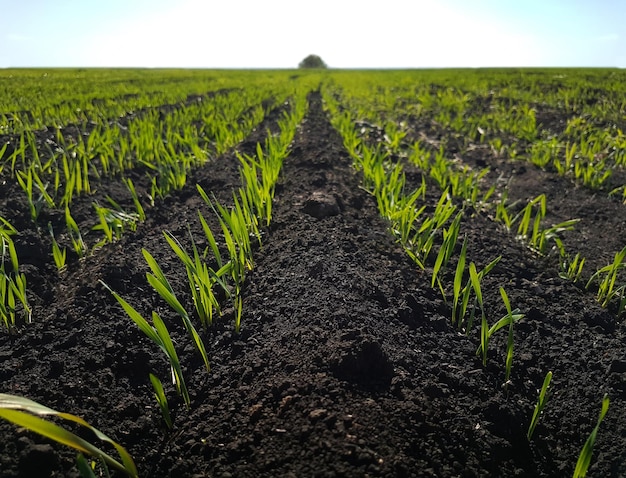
[329, 273]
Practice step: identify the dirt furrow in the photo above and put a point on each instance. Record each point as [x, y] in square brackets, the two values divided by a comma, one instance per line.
[344, 367]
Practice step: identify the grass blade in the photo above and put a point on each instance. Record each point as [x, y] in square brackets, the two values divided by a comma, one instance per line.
[584, 459]
[21, 411]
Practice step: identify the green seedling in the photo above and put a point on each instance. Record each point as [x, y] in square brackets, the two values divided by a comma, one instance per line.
[458, 279]
[27, 180]
[505, 321]
[161, 399]
[211, 240]
[465, 293]
[58, 254]
[12, 282]
[160, 284]
[619, 192]
[113, 222]
[140, 211]
[7, 247]
[87, 469]
[539, 240]
[541, 403]
[94, 468]
[509, 345]
[606, 278]
[529, 228]
[450, 237]
[502, 212]
[422, 241]
[584, 459]
[201, 280]
[75, 236]
[159, 334]
[484, 329]
[570, 268]
[525, 218]
[236, 227]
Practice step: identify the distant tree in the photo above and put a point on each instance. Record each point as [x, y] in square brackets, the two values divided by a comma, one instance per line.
[312, 61]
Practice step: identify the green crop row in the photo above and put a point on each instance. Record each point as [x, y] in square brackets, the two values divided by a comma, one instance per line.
[372, 140]
[40, 98]
[587, 150]
[373, 112]
[239, 223]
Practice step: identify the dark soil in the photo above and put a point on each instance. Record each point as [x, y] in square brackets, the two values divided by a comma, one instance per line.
[347, 363]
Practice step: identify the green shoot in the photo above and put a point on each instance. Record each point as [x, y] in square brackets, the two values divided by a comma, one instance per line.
[58, 254]
[77, 239]
[484, 329]
[466, 292]
[584, 459]
[570, 268]
[159, 283]
[606, 278]
[113, 222]
[211, 240]
[201, 280]
[161, 337]
[450, 237]
[509, 346]
[458, 278]
[541, 403]
[12, 282]
[86, 469]
[140, 211]
[7, 247]
[161, 399]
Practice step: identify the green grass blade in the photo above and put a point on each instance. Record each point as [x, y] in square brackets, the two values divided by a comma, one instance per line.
[21, 411]
[136, 317]
[166, 294]
[170, 350]
[584, 459]
[161, 399]
[211, 239]
[541, 402]
[476, 283]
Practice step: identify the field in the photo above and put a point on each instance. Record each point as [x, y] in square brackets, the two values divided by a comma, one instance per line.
[315, 273]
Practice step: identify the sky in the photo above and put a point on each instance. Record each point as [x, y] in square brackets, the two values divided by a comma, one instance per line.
[344, 33]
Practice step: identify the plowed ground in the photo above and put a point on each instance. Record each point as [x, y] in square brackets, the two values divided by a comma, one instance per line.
[347, 363]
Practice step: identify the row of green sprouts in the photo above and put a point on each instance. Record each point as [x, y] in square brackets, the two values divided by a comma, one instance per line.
[607, 281]
[37, 99]
[219, 272]
[166, 147]
[527, 222]
[419, 232]
[589, 148]
[215, 274]
[167, 152]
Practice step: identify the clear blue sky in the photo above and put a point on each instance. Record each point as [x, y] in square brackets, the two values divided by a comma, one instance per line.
[280, 33]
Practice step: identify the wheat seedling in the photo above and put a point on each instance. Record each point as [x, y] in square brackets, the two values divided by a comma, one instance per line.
[584, 459]
[58, 254]
[541, 403]
[161, 337]
[161, 399]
